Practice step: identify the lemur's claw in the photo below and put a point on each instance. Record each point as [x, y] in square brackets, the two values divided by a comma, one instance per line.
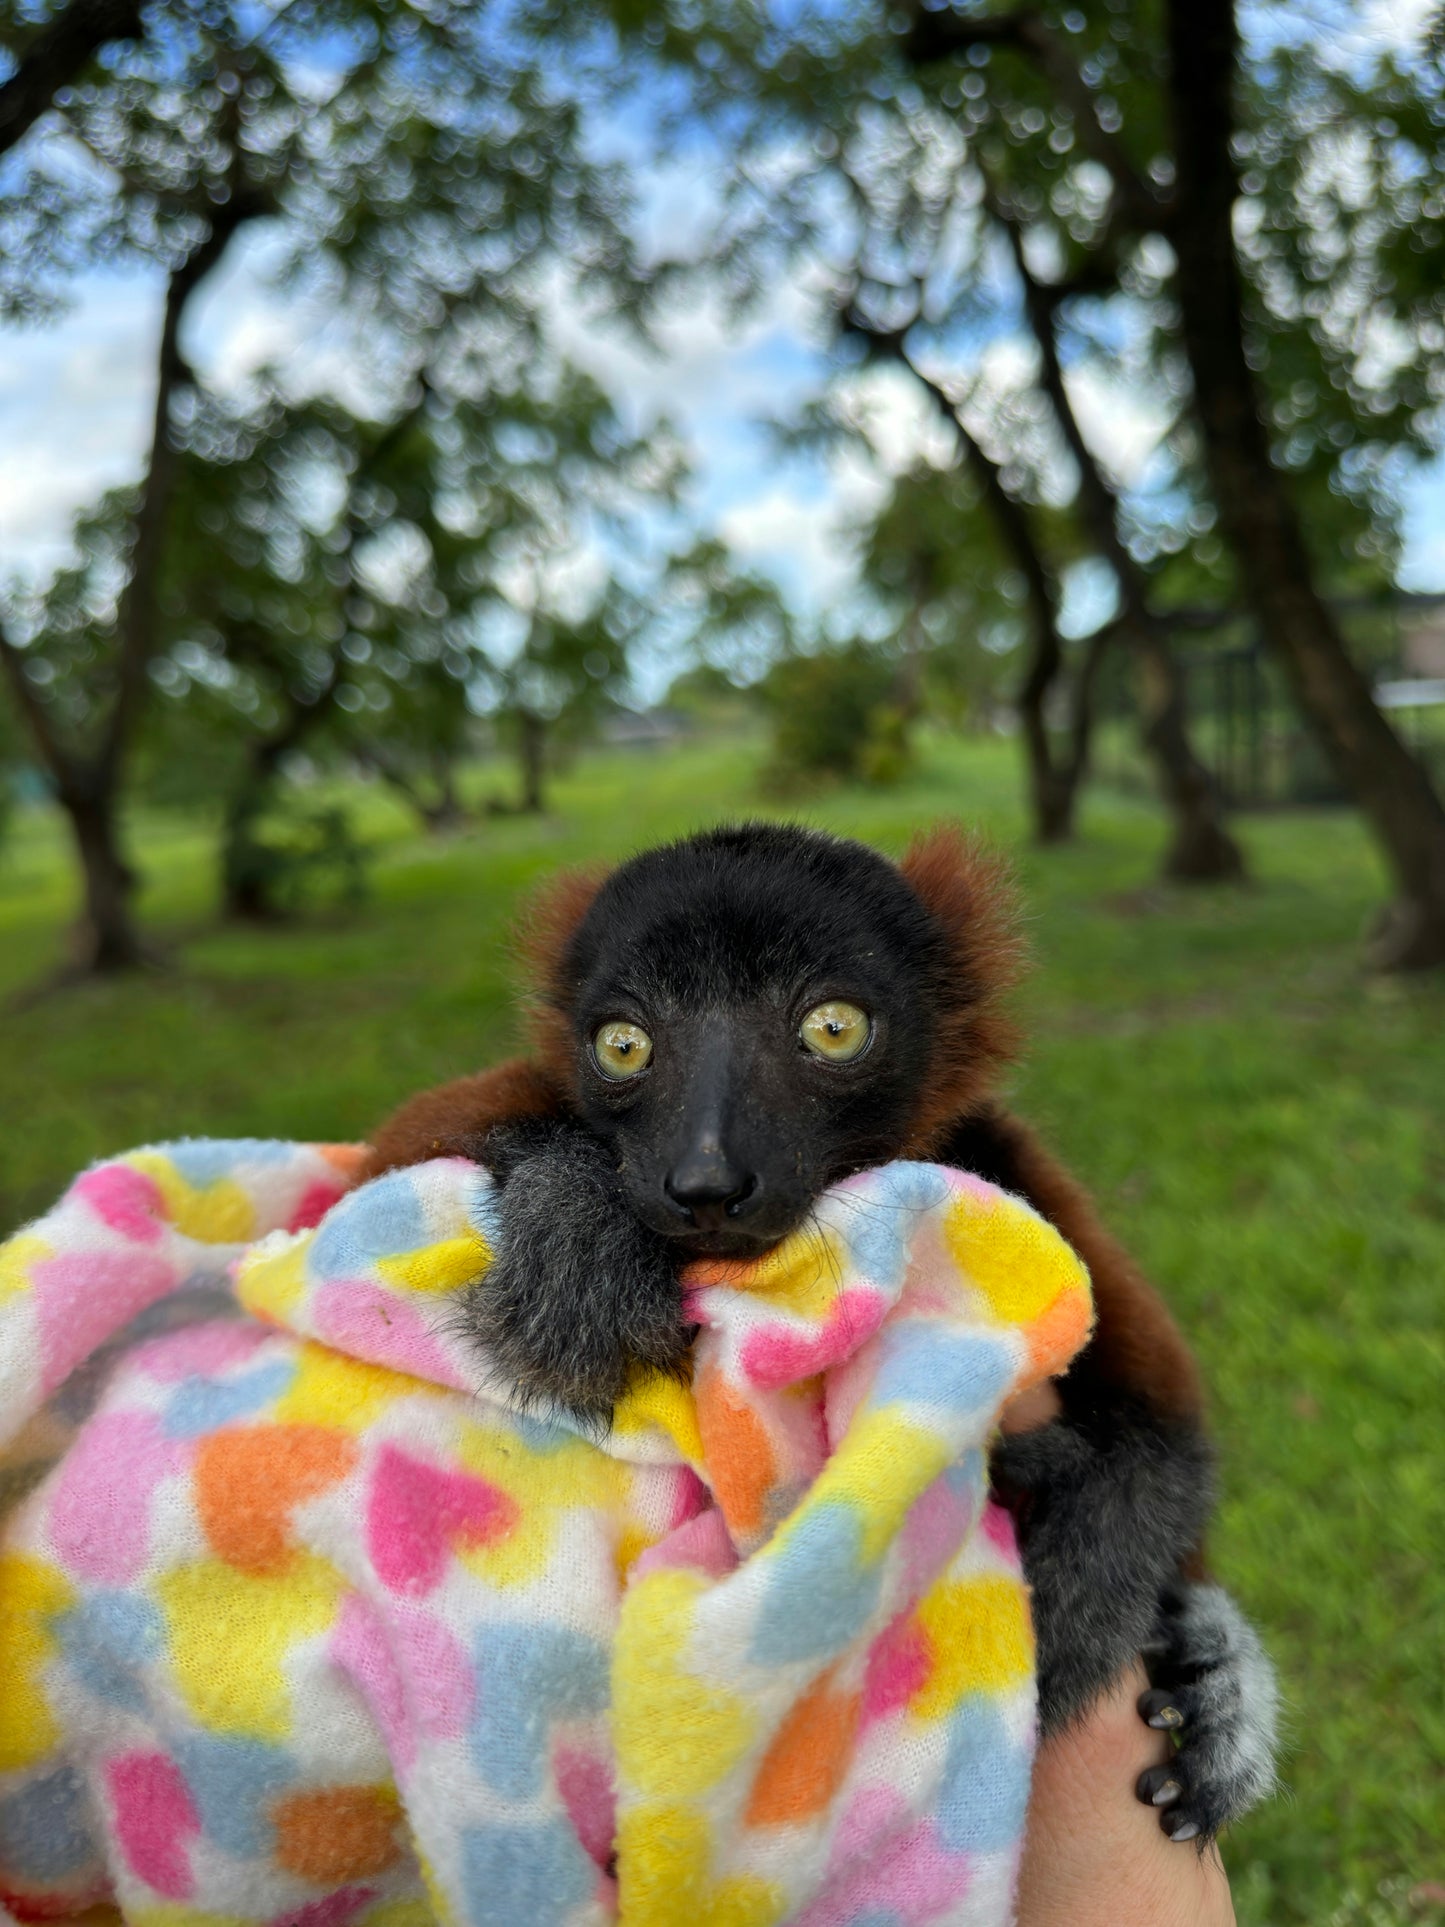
[1159, 1711]
[1159, 1786]
[1218, 1702]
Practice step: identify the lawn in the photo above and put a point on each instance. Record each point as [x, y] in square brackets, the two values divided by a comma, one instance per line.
[1263, 1124]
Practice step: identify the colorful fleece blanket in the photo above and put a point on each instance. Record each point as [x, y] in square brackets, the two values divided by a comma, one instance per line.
[305, 1619]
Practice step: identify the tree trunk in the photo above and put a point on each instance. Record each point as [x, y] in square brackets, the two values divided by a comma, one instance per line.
[247, 880]
[1201, 850]
[1256, 508]
[1053, 797]
[88, 783]
[246, 895]
[532, 744]
[1056, 780]
[445, 811]
[106, 938]
[1053, 784]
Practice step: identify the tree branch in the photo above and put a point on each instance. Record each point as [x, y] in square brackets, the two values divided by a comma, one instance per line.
[890, 344]
[1202, 847]
[52, 752]
[136, 616]
[1010, 515]
[936, 35]
[1097, 500]
[56, 55]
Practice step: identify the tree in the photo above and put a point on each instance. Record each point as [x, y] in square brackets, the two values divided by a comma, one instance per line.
[86, 766]
[1278, 332]
[929, 203]
[425, 173]
[428, 731]
[889, 198]
[934, 548]
[1327, 333]
[1256, 504]
[359, 589]
[1201, 849]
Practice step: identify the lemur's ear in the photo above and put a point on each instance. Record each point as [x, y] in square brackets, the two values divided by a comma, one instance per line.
[545, 929]
[969, 891]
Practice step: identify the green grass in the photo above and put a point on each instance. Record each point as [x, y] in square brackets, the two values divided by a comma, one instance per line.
[1262, 1123]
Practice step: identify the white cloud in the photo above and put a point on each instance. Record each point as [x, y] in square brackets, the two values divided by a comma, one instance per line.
[1398, 23]
[799, 535]
[792, 539]
[239, 325]
[1123, 426]
[75, 406]
[242, 322]
[902, 421]
[76, 398]
[703, 364]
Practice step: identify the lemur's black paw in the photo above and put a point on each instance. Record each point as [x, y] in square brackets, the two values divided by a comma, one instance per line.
[581, 1297]
[1183, 1816]
[1215, 1691]
[1102, 1529]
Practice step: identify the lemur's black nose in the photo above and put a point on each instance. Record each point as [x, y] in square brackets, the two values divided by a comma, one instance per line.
[709, 1189]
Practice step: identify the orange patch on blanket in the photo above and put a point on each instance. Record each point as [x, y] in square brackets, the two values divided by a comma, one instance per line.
[338, 1833]
[805, 1764]
[739, 1453]
[249, 1482]
[1056, 1334]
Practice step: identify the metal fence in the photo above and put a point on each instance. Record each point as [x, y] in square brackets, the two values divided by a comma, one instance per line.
[1245, 723]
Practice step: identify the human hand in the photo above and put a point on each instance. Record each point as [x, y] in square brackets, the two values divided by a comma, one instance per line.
[1093, 1855]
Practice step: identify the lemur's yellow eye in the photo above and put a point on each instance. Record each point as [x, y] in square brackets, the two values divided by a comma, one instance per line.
[621, 1049]
[836, 1031]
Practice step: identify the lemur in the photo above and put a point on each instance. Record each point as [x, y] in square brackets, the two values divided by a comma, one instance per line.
[729, 1024]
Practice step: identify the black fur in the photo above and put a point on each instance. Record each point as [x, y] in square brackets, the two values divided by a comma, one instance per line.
[1104, 1517]
[718, 946]
[1109, 1502]
[580, 1294]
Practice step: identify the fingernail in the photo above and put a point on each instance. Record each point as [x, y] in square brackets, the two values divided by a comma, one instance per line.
[1167, 1716]
[1186, 1832]
[1170, 1791]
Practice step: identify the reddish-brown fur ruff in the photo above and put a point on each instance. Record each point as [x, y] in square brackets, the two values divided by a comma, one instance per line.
[544, 936]
[969, 892]
[452, 1120]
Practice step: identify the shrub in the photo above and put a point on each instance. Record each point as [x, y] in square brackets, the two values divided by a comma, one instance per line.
[835, 715]
[280, 857]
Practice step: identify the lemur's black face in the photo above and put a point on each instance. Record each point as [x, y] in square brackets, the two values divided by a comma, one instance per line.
[752, 1012]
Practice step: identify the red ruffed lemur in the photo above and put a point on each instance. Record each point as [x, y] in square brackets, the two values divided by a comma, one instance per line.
[729, 1024]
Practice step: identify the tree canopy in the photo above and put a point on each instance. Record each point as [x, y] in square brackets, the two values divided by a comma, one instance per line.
[1167, 291]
